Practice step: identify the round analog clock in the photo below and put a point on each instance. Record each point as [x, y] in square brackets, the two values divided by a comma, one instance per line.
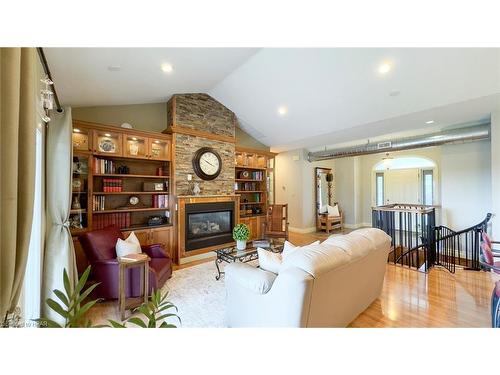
[207, 163]
[133, 200]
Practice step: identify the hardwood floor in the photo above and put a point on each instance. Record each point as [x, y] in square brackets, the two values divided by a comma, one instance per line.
[409, 298]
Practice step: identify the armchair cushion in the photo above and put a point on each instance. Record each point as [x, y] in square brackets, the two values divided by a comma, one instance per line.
[255, 279]
[333, 211]
[154, 251]
[129, 246]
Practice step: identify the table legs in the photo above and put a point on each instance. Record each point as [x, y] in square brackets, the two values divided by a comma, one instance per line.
[217, 261]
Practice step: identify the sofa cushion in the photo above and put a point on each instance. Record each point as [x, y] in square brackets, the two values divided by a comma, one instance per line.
[354, 245]
[269, 261]
[289, 248]
[254, 279]
[100, 244]
[316, 259]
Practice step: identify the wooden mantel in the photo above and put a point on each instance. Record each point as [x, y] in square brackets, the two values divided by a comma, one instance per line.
[181, 220]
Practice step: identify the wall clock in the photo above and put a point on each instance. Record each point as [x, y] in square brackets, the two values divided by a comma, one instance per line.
[207, 163]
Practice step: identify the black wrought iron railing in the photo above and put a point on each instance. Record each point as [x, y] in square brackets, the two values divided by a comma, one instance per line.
[460, 248]
[418, 243]
[411, 228]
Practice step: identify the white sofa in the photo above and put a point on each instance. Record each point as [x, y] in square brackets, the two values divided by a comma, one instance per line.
[323, 285]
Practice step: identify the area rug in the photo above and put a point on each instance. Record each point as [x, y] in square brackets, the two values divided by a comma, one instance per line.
[198, 296]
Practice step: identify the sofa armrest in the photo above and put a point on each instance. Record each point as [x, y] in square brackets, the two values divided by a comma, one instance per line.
[105, 262]
[154, 251]
[254, 279]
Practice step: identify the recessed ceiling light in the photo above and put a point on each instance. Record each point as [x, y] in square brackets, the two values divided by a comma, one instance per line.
[430, 122]
[134, 138]
[114, 68]
[384, 68]
[157, 141]
[282, 110]
[167, 68]
[107, 135]
[76, 130]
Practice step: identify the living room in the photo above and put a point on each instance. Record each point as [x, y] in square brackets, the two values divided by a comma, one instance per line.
[249, 186]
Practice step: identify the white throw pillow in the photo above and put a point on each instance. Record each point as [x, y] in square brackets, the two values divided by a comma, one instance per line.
[323, 209]
[269, 261]
[289, 248]
[333, 211]
[129, 246]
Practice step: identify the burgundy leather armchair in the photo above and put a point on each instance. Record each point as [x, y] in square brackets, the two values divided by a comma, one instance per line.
[99, 247]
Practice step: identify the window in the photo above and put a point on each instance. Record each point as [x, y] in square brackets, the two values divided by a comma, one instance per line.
[33, 275]
[379, 189]
[427, 187]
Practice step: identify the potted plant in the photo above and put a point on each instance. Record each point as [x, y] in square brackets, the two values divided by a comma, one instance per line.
[241, 234]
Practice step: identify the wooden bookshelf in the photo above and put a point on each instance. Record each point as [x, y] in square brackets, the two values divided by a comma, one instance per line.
[254, 183]
[143, 153]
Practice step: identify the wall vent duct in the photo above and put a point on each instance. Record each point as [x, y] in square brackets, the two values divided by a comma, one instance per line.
[458, 135]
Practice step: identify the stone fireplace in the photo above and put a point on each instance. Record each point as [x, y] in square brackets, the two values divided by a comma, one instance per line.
[208, 224]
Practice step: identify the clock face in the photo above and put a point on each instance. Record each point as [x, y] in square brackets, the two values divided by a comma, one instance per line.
[207, 163]
[133, 200]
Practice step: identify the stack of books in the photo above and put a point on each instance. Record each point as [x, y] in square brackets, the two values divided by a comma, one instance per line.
[112, 185]
[103, 166]
[160, 201]
[121, 220]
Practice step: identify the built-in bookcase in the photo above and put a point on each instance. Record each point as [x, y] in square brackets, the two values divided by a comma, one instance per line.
[254, 183]
[121, 177]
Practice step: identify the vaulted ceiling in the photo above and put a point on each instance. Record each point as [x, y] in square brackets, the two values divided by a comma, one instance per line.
[330, 95]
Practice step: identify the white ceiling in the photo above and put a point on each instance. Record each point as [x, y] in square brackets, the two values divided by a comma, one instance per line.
[333, 95]
[82, 77]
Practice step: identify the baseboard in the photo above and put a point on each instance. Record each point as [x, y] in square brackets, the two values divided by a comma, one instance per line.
[302, 230]
[357, 226]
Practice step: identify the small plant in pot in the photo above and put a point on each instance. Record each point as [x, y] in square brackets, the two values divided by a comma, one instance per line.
[241, 234]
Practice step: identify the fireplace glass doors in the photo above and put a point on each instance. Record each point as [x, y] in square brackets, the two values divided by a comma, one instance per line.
[209, 224]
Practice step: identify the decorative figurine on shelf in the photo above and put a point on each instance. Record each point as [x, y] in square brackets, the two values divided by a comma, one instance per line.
[134, 148]
[76, 203]
[196, 188]
[75, 222]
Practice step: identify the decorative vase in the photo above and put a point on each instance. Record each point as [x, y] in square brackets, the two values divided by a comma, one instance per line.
[76, 203]
[241, 244]
[196, 189]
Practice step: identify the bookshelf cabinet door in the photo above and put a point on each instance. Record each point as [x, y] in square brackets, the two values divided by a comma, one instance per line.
[163, 236]
[107, 143]
[82, 139]
[159, 149]
[135, 146]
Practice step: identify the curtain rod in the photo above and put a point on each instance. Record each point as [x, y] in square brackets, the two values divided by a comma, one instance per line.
[41, 54]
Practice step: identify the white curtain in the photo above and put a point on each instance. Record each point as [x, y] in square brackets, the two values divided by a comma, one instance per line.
[59, 253]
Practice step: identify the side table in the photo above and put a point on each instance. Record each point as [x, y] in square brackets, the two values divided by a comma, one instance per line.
[126, 262]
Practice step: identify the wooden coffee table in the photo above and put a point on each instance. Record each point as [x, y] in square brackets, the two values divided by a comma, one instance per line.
[232, 255]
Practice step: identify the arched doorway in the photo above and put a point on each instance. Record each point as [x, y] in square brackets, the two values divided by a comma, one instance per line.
[404, 179]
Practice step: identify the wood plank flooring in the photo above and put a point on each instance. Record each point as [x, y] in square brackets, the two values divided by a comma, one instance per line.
[409, 298]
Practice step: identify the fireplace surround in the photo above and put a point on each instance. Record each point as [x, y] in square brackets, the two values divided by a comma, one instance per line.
[208, 224]
[205, 223]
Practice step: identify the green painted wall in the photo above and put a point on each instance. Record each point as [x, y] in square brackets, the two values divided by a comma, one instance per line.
[151, 117]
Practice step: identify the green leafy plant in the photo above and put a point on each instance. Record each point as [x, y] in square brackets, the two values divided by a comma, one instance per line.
[70, 306]
[155, 312]
[241, 232]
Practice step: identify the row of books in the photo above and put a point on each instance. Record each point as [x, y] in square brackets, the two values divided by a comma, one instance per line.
[160, 201]
[102, 166]
[112, 185]
[98, 202]
[121, 220]
[246, 186]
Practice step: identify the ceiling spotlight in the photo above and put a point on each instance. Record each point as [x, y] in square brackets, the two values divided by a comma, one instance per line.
[107, 135]
[134, 138]
[114, 68]
[157, 141]
[76, 130]
[282, 110]
[430, 122]
[167, 68]
[384, 68]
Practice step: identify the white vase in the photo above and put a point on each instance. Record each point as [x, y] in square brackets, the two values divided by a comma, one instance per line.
[241, 244]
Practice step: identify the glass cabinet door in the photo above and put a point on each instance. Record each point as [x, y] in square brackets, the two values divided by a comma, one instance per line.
[78, 219]
[135, 146]
[159, 149]
[82, 139]
[107, 143]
